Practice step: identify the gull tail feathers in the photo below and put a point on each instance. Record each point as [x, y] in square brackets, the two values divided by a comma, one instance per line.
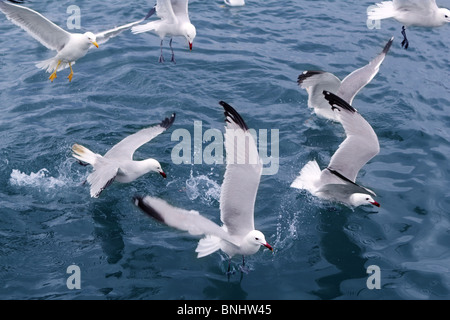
[207, 245]
[308, 175]
[51, 64]
[84, 154]
[385, 10]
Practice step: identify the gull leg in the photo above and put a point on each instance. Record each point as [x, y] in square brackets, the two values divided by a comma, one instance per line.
[161, 58]
[173, 54]
[244, 268]
[53, 75]
[71, 72]
[405, 42]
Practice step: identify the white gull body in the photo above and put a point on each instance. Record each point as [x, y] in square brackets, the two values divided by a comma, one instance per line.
[69, 46]
[237, 235]
[315, 82]
[337, 181]
[421, 13]
[174, 21]
[118, 164]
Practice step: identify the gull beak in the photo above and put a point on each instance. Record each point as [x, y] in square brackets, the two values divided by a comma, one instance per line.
[268, 246]
[375, 204]
[190, 46]
[163, 174]
[95, 43]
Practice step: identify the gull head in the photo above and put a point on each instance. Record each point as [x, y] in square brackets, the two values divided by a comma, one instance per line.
[444, 15]
[189, 33]
[155, 166]
[253, 240]
[91, 38]
[361, 199]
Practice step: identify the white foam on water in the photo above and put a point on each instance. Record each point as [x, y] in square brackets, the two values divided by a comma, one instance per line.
[40, 179]
[202, 187]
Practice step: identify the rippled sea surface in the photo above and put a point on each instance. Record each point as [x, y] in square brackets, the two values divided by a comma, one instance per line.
[249, 57]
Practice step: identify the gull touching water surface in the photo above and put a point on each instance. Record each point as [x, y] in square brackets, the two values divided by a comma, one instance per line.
[237, 235]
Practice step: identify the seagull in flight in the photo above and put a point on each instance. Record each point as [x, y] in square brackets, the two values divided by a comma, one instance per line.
[315, 82]
[174, 21]
[69, 46]
[237, 234]
[118, 164]
[421, 13]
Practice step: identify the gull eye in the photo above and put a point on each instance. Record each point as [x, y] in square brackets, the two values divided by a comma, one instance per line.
[367, 199]
[257, 239]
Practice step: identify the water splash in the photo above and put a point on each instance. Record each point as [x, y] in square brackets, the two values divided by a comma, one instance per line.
[40, 179]
[202, 187]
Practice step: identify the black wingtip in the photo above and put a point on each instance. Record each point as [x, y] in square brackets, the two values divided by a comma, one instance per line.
[388, 45]
[167, 122]
[230, 112]
[17, 1]
[335, 100]
[306, 75]
[147, 209]
[150, 13]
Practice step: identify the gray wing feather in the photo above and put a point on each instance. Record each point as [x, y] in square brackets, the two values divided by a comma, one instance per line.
[242, 176]
[126, 148]
[360, 145]
[359, 78]
[181, 219]
[39, 27]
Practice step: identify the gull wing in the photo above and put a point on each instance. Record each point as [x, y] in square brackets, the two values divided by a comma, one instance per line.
[180, 9]
[242, 175]
[164, 10]
[359, 78]
[36, 25]
[126, 148]
[181, 219]
[104, 174]
[104, 36]
[315, 82]
[361, 143]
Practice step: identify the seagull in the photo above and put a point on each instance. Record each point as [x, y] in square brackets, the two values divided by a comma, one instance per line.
[234, 3]
[316, 81]
[421, 13]
[237, 235]
[69, 46]
[174, 21]
[337, 181]
[118, 164]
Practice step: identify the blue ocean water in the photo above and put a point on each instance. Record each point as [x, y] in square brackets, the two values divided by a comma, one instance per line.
[249, 57]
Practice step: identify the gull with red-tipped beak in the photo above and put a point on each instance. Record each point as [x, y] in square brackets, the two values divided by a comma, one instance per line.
[118, 164]
[237, 235]
[337, 181]
[174, 21]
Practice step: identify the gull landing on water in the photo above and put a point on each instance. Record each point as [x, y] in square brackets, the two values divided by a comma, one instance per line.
[337, 181]
[70, 46]
[174, 21]
[421, 13]
[237, 235]
[118, 164]
[315, 82]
